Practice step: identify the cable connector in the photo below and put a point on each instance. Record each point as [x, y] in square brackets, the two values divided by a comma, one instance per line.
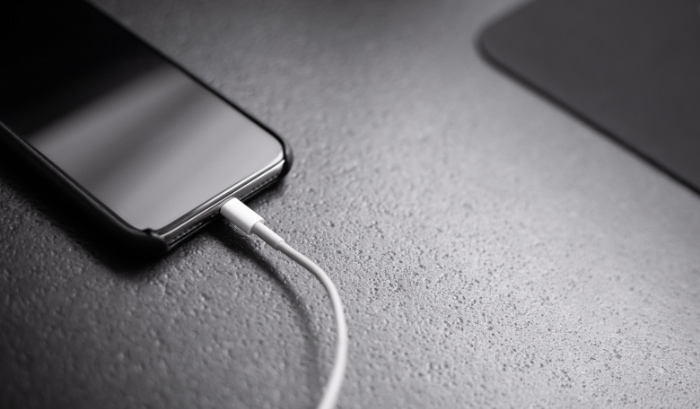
[241, 215]
[247, 220]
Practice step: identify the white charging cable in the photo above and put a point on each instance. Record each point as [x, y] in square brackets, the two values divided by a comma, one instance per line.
[250, 222]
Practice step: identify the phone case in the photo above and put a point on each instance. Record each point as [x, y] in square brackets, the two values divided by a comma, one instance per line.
[116, 231]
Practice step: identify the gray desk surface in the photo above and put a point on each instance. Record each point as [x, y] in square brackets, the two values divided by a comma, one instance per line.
[491, 250]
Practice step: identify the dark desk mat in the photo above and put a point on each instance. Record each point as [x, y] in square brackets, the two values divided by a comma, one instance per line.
[631, 68]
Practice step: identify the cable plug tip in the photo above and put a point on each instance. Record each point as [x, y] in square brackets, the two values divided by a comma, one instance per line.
[240, 215]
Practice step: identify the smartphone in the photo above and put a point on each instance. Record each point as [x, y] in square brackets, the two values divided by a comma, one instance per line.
[146, 147]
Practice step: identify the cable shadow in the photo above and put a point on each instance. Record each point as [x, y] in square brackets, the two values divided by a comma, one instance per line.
[237, 244]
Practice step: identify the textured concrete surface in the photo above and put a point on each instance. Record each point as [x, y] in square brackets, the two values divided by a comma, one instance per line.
[491, 250]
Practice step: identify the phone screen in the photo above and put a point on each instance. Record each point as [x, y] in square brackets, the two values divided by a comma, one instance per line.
[133, 130]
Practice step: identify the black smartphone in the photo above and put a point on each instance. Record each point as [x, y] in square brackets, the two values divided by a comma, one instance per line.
[136, 139]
